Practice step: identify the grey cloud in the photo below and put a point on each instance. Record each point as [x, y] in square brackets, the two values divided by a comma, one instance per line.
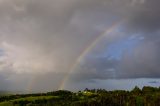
[44, 38]
[146, 17]
[144, 63]
[143, 19]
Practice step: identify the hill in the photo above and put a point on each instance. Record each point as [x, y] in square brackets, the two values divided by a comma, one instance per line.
[147, 96]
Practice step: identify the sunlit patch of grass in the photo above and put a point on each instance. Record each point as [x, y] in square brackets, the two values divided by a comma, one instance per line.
[35, 98]
[6, 103]
[29, 99]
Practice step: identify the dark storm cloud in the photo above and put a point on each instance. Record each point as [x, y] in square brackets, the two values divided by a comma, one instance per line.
[45, 37]
[145, 59]
[146, 17]
[143, 62]
[95, 68]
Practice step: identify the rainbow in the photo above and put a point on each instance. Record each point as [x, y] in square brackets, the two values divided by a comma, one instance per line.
[81, 57]
[87, 50]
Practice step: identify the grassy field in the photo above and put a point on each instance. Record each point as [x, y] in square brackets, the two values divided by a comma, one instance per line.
[28, 99]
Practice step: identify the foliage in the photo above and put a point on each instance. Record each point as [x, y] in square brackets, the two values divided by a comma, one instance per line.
[148, 96]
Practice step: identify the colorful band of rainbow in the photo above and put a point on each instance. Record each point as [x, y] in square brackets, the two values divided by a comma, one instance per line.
[88, 49]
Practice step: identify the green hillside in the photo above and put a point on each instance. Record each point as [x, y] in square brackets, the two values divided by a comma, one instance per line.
[147, 96]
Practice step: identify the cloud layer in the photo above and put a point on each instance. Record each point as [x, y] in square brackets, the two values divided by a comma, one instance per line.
[41, 40]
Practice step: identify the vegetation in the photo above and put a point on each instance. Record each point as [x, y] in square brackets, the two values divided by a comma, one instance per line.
[147, 96]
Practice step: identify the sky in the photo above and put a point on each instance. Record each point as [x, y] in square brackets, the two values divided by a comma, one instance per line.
[48, 45]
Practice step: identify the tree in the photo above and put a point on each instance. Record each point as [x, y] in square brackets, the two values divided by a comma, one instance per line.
[136, 90]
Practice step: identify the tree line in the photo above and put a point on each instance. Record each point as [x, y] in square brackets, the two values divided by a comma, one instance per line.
[147, 96]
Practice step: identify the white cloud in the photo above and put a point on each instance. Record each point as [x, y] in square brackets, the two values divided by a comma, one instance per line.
[22, 60]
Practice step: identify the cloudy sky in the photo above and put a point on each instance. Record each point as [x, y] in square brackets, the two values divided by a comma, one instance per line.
[76, 44]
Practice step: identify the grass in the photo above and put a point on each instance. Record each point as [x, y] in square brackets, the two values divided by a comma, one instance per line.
[35, 98]
[6, 103]
[29, 99]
